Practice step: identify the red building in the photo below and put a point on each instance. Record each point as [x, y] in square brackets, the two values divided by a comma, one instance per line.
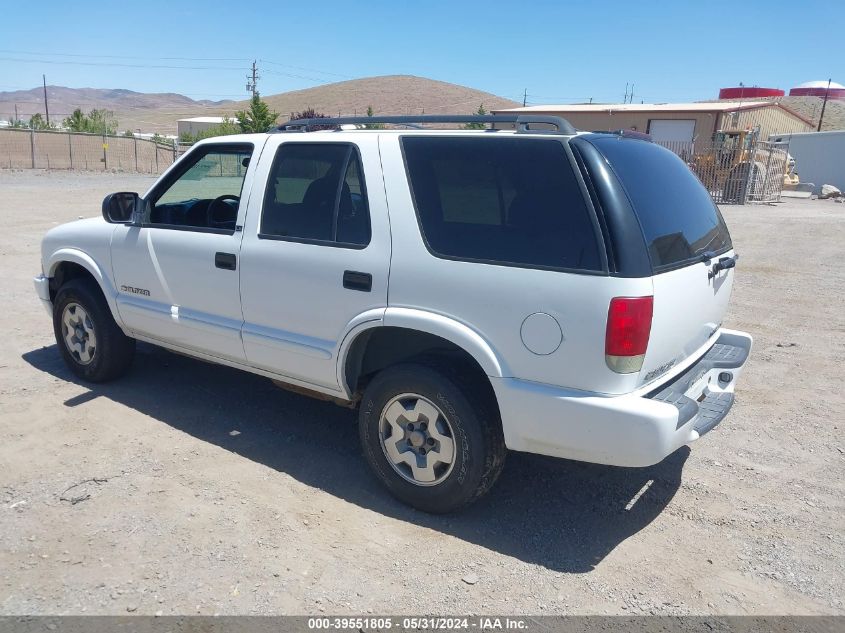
[749, 92]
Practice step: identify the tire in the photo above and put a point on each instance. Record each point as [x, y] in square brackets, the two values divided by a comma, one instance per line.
[80, 316]
[467, 421]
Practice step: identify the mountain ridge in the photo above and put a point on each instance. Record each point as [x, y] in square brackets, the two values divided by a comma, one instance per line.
[158, 112]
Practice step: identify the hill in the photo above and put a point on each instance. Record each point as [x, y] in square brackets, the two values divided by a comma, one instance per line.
[126, 103]
[392, 94]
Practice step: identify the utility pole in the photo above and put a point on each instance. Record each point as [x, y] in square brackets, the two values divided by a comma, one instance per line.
[252, 81]
[46, 109]
[631, 96]
[824, 103]
[625, 98]
[524, 97]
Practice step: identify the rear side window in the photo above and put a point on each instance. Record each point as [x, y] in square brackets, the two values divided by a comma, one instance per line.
[678, 217]
[315, 193]
[501, 200]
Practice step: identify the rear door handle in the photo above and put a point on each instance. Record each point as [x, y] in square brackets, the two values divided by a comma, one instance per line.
[354, 280]
[226, 261]
[724, 263]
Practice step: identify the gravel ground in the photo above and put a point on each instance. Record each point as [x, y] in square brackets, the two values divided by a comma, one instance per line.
[206, 490]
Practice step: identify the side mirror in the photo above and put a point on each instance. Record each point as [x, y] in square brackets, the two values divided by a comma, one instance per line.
[119, 208]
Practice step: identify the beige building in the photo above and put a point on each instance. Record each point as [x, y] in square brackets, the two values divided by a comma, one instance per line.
[678, 122]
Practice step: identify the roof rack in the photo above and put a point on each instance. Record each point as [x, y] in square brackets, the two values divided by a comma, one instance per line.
[523, 123]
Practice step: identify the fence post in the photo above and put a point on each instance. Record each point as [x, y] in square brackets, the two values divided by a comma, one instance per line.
[70, 148]
[175, 141]
[32, 145]
[135, 142]
[155, 149]
[105, 157]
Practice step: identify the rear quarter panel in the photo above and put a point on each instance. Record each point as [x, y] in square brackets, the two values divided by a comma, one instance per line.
[494, 300]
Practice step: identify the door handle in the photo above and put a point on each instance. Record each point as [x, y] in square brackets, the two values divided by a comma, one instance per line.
[724, 263]
[354, 280]
[226, 261]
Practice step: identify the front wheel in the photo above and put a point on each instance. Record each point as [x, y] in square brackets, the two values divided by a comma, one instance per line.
[432, 437]
[91, 343]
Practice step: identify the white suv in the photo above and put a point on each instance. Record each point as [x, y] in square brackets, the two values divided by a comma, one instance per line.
[471, 291]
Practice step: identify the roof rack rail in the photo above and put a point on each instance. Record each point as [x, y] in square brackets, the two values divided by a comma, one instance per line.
[523, 123]
[643, 136]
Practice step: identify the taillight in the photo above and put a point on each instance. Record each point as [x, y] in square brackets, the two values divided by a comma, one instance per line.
[628, 328]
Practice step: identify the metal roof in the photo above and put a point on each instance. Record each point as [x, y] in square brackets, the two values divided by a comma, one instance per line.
[205, 119]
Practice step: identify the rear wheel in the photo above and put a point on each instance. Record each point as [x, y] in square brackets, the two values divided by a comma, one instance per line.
[91, 343]
[432, 437]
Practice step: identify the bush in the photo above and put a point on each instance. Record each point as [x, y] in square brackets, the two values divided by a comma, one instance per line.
[311, 113]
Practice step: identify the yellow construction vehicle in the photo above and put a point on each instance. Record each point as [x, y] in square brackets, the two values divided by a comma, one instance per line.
[724, 167]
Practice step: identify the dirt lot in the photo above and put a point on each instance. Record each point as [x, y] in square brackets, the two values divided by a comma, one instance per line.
[217, 493]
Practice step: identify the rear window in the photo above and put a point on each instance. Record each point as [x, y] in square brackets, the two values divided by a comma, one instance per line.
[508, 201]
[678, 217]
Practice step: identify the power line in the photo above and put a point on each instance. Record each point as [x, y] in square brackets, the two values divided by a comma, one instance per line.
[115, 64]
[311, 70]
[188, 59]
[319, 80]
[98, 56]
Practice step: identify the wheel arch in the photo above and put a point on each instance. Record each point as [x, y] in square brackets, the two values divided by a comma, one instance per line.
[405, 333]
[68, 263]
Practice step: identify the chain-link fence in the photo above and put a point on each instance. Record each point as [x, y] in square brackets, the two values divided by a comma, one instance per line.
[736, 172]
[50, 149]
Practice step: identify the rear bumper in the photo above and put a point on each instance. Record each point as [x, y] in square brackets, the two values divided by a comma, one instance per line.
[638, 429]
[42, 289]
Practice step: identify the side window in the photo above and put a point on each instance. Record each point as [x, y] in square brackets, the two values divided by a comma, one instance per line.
[206, 191]
[316, 192]
[501, 200]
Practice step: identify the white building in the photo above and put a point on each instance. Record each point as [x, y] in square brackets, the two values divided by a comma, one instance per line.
[819, 157]
[197, 124]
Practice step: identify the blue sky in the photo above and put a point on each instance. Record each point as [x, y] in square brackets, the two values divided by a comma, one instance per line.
[560, 52]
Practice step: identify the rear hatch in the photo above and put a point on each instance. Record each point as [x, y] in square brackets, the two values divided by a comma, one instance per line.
[687, 242]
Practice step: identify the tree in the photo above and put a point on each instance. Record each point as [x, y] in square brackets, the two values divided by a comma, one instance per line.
[102, 122]
[76, 121]
[478, 126]
[128, 134]
[258, 118]
[37, 122]
[95, 122]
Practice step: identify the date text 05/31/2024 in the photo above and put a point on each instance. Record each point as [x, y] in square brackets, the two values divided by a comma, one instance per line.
[479, 623]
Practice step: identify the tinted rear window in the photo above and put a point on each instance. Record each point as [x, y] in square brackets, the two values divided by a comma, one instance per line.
[679, 218]
[501, 200]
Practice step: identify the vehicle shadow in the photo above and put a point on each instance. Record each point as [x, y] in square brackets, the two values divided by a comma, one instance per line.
[566, 516]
